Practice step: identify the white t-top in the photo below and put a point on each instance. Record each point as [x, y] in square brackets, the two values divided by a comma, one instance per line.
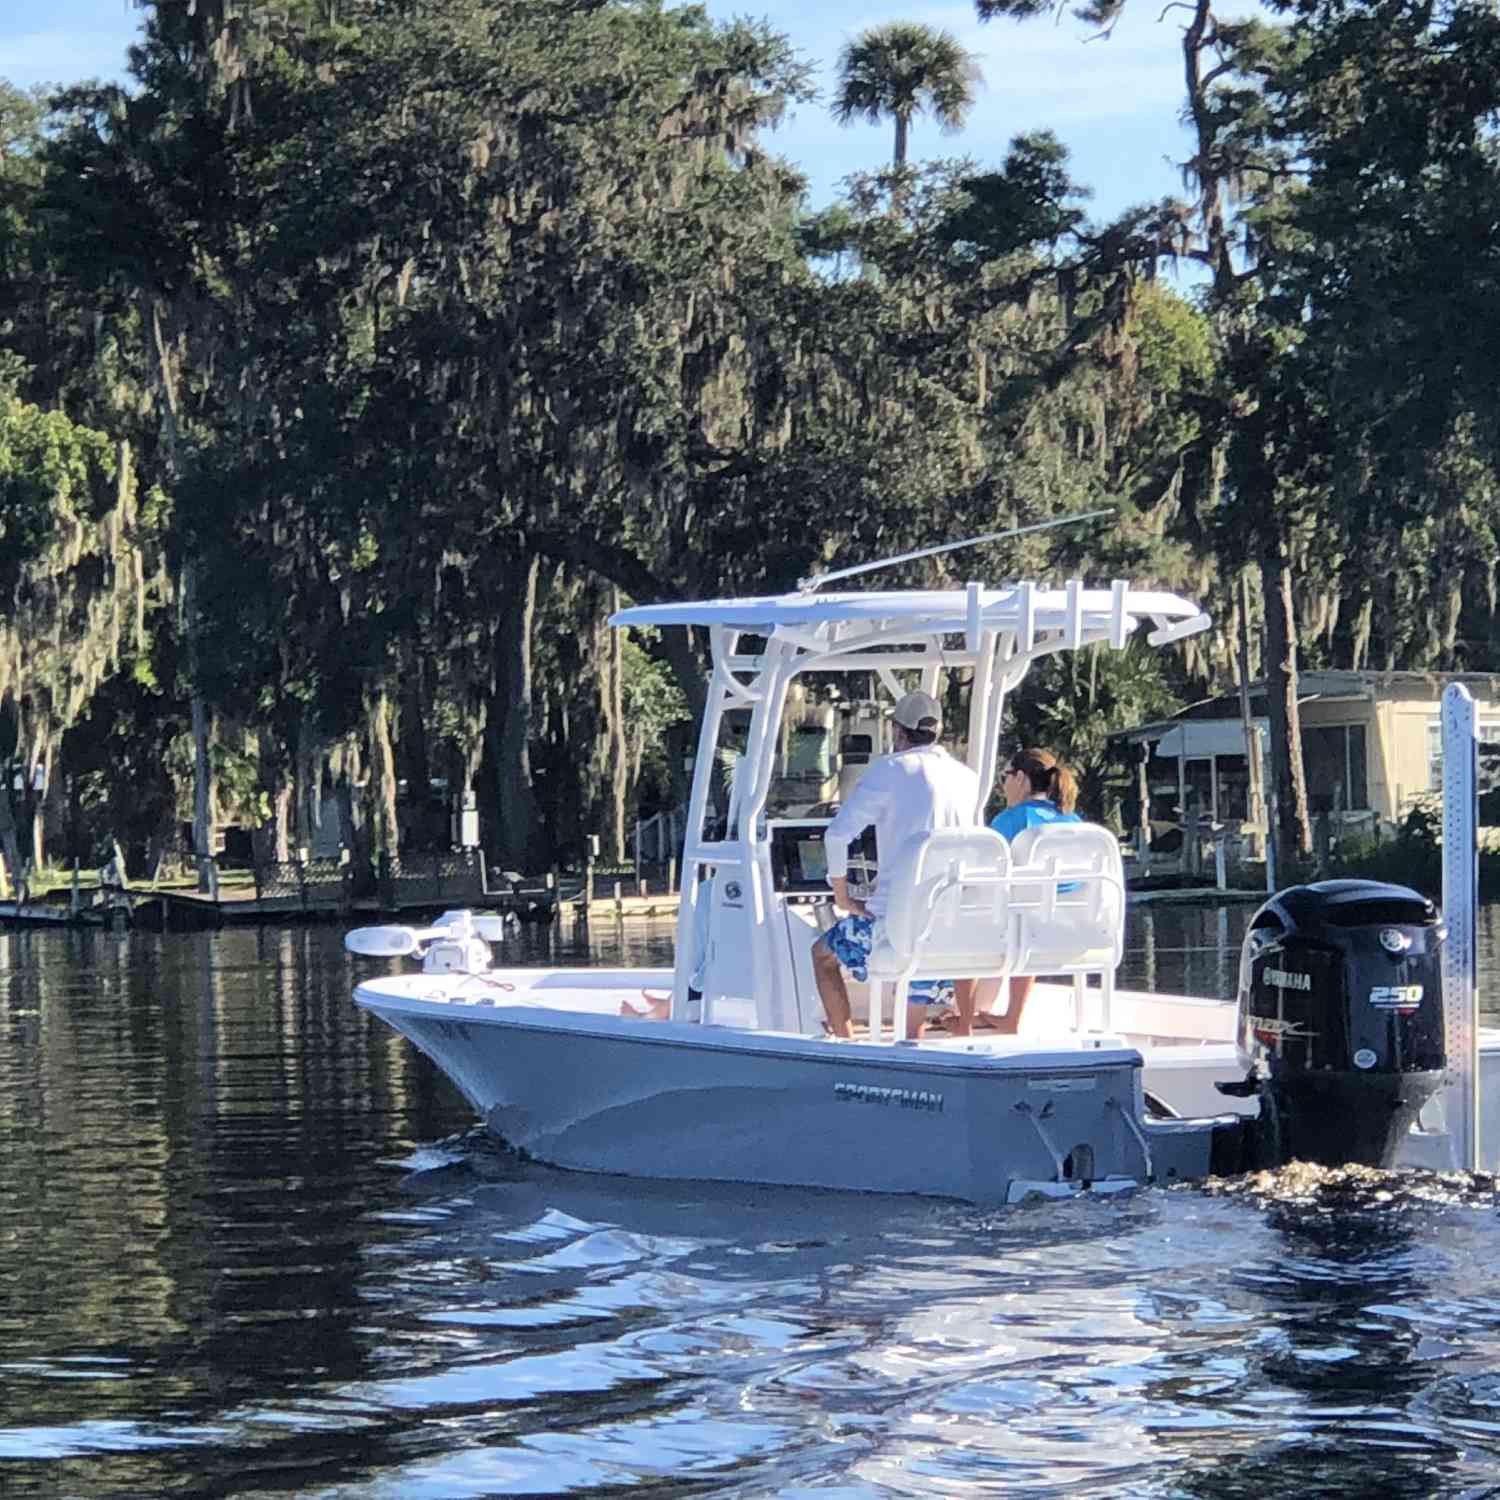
[910, 792]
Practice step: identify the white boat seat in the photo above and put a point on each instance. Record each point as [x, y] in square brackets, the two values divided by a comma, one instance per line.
[947, 916]
[1076, 930]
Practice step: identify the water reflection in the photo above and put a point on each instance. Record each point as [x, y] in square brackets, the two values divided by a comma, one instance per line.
[251, 1246]
[1184, 950]
[1194, 950]
[1325, 1394]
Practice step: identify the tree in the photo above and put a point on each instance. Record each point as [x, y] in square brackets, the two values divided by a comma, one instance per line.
[1073, 702]
[1384, 287]
[557, 318]
[901, 70]
[1238, 454]
[71, 584]
[449, 326]
[137, 198]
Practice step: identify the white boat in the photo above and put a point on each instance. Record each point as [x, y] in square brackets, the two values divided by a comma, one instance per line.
[1104, 1088]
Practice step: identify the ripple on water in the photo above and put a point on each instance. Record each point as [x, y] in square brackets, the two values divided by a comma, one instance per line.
[676, 1453]
[236, 1269]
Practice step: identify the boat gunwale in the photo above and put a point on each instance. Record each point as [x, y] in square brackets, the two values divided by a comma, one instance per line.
[693, 1035]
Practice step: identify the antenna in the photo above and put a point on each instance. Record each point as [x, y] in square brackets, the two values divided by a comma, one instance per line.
[817, 580]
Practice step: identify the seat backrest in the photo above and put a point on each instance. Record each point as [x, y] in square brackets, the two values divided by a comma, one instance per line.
[1066, 850]
[1072, 873]
[948, 895]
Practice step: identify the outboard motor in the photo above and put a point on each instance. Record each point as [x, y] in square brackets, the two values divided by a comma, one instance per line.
[1340, 1021]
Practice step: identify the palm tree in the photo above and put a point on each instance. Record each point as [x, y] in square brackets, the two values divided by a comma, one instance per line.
[904, 69]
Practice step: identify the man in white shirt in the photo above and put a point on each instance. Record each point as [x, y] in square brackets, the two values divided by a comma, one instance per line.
[917, 788]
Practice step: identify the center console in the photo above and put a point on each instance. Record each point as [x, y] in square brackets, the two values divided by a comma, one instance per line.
[800, 910]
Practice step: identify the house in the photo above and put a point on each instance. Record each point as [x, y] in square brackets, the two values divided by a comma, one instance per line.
[1371, 747]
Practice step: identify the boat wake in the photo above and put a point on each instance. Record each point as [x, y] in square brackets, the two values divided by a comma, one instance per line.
[474, 1153]
[1368, 1192]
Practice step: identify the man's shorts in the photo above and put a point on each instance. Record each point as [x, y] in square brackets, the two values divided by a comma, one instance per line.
[850, 940]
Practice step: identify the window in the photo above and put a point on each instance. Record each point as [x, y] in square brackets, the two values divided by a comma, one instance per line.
[1198, 780]
[1489, 766]
[1334, 762]
[1234, 786]
[1161, 783]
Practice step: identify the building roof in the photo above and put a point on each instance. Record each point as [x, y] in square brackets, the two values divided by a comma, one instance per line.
[1316, 687]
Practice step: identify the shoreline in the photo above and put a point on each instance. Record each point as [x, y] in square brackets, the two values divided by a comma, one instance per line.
[175, 910]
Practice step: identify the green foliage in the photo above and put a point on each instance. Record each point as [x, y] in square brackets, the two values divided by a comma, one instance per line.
[53, 475]
[1174, 342]
[392, 302]
[653, 701]
[1413, 857]
[1031, 202]
[1382, 290]
[654, 706]
[128, 759]
[1071, 704]
[73, 569]
[831, 237]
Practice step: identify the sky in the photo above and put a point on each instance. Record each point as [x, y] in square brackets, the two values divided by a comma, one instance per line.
[1115, 102]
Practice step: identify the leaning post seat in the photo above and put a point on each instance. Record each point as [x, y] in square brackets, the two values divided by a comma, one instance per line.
[947, 916]
[1068, 901]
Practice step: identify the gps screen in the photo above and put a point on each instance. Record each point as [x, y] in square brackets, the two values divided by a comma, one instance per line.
[812, 857]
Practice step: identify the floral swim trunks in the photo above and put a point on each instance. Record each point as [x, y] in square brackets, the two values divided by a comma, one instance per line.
[850, 940]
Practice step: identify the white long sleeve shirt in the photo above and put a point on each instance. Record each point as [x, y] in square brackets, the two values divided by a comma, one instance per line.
[910, 792]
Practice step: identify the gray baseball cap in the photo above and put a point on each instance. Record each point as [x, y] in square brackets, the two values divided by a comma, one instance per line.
[918, 711]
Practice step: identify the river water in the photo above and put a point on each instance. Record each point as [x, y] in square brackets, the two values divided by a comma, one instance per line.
[250, 1246]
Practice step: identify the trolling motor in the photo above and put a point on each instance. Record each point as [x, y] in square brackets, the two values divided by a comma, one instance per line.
[1340, 1023]
[457, 943]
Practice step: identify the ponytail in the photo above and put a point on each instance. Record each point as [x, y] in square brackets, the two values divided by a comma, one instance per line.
[1048, 776]
[1066, 795]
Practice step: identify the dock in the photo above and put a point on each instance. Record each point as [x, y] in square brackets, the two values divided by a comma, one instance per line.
[300, 891]
[321, 890]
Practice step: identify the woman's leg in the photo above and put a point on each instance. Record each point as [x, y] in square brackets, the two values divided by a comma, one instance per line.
[972, 1000]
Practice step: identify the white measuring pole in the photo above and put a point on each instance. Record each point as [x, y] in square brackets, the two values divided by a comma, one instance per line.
[1460, 907]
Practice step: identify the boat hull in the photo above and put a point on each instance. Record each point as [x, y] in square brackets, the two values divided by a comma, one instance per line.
[676, 1100]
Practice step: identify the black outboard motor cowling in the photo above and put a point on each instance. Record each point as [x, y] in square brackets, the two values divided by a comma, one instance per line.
[1341, 1020]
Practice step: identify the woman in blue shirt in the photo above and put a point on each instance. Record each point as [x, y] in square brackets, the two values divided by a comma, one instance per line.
[1038, 789]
